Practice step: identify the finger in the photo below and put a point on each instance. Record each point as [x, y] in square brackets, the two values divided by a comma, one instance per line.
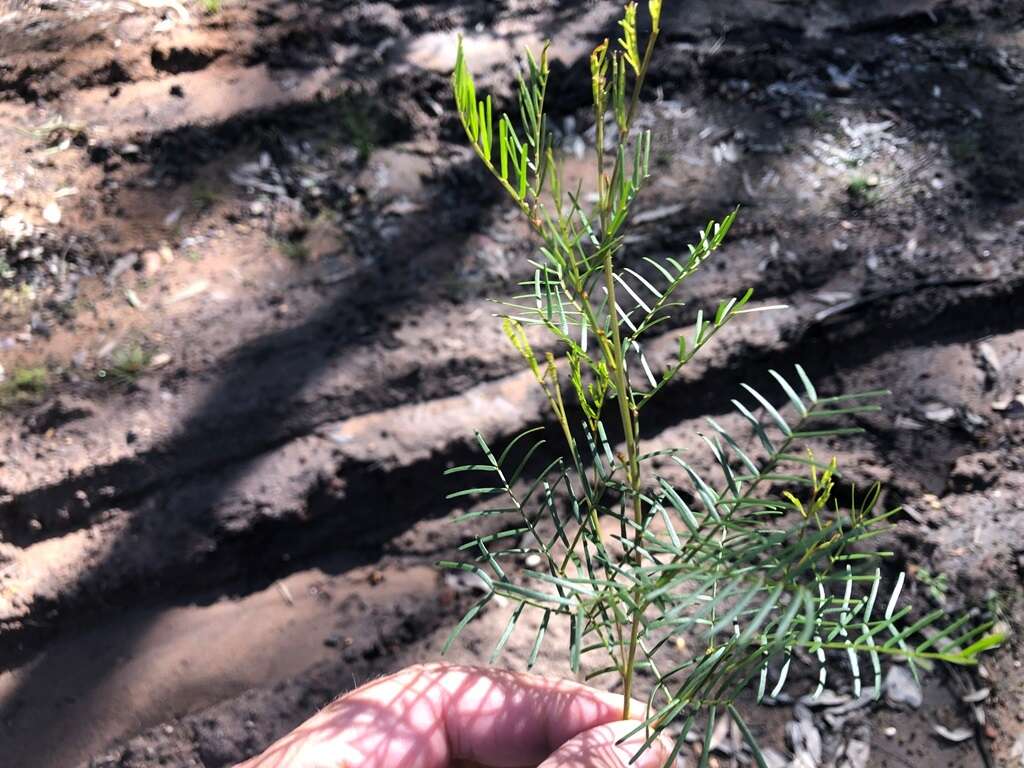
[503, 719]
[600, 747]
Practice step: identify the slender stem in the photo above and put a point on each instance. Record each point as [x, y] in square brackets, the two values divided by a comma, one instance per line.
[630, 426]
[628, 413]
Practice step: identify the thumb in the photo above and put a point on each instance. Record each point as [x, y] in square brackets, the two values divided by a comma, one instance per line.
[598, 748]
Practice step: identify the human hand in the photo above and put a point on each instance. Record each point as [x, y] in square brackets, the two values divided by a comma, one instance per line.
[441, 716]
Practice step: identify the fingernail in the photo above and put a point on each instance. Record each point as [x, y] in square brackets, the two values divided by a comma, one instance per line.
[653, 756]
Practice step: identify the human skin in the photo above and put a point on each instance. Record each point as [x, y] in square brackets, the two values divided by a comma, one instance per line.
[443, 716]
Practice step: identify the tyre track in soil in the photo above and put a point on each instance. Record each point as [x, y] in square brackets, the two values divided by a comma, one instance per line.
[348, 479]
[414, 452]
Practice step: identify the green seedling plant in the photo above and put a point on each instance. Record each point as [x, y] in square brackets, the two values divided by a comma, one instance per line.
[754, 567]
[127, 363]
[24, 385]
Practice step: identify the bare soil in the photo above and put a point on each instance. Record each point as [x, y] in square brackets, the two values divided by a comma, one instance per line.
[247, 257]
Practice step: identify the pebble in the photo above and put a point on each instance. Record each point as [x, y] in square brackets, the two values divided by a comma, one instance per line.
[52, 213]
[151, 263]
[532, 560]
[901, 689]
[939, 413]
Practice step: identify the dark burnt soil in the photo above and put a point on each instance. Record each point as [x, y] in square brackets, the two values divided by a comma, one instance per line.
[244, 267]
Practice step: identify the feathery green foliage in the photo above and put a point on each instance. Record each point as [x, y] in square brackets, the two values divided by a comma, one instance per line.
[754, 573]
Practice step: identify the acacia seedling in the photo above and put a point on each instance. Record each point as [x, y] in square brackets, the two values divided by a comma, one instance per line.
[754, 566]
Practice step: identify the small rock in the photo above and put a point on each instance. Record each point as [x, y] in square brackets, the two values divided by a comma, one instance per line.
[725, 152]
[159, 360]
[52, 213]
[858, 752]
[939, 413]
[901, 689]
[151, 263]
[532, 560]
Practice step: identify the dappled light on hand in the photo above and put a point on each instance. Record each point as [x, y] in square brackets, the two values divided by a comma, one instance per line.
[439, 716]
